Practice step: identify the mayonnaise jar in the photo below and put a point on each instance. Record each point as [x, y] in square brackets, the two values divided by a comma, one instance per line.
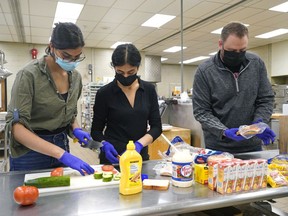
[182, 168]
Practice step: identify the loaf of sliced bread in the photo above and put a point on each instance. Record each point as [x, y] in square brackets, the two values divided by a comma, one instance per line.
[156, 184]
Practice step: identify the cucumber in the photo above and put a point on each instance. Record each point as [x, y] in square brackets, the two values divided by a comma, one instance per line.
[52, 181]
[98, 175]
[117, 177]
[107, 178]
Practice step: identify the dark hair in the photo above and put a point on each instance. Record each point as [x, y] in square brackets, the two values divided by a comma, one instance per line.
[66, 36]
[235, 28]
[126, 54]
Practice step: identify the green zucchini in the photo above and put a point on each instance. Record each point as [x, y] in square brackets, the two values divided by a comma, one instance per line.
[51, 181]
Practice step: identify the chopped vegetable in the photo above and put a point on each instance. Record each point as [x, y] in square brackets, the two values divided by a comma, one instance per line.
[117, 177]
[107, 178]
[107, 168]
[57, 172]
[98, 175]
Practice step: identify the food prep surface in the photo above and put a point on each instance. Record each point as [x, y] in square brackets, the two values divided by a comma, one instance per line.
[106, 200]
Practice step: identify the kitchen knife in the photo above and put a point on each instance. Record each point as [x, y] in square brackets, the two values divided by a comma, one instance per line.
[92, 144]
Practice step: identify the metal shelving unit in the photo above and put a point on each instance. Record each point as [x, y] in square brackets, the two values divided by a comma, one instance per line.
[3, 144]
[88, 97]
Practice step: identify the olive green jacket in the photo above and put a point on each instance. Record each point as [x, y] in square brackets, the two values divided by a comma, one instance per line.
[34, 95]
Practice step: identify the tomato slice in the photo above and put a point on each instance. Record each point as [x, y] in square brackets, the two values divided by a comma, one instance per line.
[107, 168]
[57, 172]
[26, 195]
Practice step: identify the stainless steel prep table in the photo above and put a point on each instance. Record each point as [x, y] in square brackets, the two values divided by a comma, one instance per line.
[108, 201]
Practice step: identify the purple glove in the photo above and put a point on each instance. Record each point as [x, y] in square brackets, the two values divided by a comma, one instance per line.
[76, 163]
[231, 134]
[138, 146]
[82, 136]
[267, 136]
[110, 152]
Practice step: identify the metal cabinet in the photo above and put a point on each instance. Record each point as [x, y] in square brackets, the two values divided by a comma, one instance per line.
[281, 97]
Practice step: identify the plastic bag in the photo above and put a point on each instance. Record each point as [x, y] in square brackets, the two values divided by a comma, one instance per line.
[179, 144]
[248, 131]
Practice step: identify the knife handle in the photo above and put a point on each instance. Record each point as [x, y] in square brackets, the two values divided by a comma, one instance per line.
[75, 140]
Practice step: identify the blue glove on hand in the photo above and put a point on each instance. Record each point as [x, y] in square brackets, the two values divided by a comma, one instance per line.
[267, 136]
[81, 135]
[76, 163]
[231, 134]
[138, 146]
[257, 121]
[110, 152]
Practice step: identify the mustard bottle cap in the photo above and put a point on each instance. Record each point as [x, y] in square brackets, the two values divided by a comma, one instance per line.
[130, 145]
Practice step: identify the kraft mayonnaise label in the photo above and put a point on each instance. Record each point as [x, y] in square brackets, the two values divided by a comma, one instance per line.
[182, 171]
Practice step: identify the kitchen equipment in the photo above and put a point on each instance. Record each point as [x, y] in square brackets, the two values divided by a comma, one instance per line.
[167, 140]
[77, 181]
[92, 144]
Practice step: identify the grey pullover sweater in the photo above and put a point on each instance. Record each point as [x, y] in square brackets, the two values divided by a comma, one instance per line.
[222, 100]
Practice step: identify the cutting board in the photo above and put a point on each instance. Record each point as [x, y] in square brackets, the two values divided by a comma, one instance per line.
[77, 181]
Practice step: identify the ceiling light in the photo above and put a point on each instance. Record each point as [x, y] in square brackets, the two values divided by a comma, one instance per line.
[195, 59]
[119, 43]
[280, 8]
[67, 12]
[158, 20]
[272, 33]
[164, 59]
[218, 31]
[174, 49]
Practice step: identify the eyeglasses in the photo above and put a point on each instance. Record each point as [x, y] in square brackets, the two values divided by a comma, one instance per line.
[66, 57]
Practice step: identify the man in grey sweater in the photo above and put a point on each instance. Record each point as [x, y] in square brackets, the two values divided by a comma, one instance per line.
[232, 89]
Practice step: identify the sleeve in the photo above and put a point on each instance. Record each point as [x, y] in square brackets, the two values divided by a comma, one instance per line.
[99, 117]
[202, 108]
[265, 98]
[73, 119]
[154, 117]
[21, 104]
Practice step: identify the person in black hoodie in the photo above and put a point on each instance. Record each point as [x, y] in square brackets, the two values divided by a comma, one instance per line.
[232, 89]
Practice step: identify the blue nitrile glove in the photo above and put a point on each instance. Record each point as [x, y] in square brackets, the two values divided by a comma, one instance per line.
[76, 163]
[138, 146]
[81, 135]
[231, 134]
[257, 121]
[267, 136]
[174, 141]
[110, 152]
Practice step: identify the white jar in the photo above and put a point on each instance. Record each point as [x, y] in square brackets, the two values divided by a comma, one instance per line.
[182, 168]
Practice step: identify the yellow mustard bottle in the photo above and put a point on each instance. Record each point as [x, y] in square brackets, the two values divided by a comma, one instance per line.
[130, 168]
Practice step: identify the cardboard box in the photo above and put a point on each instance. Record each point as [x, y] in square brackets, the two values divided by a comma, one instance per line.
[201, 173]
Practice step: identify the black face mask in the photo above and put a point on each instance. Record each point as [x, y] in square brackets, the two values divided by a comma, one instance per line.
[232, 58]
[126, 81]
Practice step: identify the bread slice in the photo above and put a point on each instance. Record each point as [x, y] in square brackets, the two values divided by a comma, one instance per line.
[156, 184]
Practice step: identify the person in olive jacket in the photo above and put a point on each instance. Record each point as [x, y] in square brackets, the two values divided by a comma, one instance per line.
[43, 106]
[124, 107]
[232, 89]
